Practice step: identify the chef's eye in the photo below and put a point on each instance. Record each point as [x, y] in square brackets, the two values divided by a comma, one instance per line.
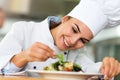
[74, 30]
[82, 40]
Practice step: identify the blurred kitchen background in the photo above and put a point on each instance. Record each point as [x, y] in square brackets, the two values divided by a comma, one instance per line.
[106, 43]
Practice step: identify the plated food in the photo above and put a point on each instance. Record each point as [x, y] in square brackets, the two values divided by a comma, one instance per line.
[62, 65]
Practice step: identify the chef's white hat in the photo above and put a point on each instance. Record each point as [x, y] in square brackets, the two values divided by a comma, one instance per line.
[96, 14]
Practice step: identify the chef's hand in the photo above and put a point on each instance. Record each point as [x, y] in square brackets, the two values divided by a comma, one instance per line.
[110, 68]
[37, 52]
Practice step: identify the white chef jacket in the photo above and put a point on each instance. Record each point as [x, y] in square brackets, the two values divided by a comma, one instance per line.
[24, 34]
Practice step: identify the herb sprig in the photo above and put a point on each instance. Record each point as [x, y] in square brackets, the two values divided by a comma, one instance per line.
[60, 57]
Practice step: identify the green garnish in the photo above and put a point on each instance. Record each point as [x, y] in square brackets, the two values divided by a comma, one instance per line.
[77, 67]
[60, 57]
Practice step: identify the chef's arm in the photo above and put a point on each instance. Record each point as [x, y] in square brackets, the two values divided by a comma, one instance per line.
[36, 52]
[7, 66]
[11, 68]
[12, 44]
[16, 64]
[19, 60]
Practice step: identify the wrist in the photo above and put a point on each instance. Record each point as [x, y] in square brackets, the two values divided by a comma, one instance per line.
[19, 60]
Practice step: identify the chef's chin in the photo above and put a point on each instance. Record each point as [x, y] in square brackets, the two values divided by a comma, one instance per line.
[63, 48]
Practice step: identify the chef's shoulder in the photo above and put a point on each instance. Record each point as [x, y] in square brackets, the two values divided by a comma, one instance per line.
[23, 25]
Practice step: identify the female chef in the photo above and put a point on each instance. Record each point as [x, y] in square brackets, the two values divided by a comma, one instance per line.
[31, 45]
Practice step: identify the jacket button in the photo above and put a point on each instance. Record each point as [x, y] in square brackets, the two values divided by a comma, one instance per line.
[65, 53]
[34, 67]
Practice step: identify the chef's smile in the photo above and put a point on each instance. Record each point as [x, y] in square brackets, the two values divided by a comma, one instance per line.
[66, 44]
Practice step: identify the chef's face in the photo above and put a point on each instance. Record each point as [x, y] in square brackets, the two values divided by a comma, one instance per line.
[71, 34]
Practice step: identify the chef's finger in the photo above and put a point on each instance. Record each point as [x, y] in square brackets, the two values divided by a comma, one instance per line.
[106, 64]
[41, 56]
[47, 48]
[44, 58]
[112, 66]
[116, 68]
[44, 46]
[103, 72]
[119, 69]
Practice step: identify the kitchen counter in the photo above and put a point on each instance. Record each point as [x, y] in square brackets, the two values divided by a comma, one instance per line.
[20, 78]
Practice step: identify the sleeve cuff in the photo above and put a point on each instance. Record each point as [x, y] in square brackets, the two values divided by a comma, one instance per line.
[11, 68]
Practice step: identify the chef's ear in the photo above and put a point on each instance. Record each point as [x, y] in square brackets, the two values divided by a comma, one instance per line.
[65, 18]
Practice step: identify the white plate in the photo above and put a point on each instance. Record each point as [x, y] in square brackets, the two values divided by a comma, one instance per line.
[60, 75]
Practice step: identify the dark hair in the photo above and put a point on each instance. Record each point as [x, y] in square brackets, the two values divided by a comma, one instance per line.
[69, 17]
[54, 24]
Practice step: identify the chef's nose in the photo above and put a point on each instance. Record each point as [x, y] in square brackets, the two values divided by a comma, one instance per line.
[75, 39]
